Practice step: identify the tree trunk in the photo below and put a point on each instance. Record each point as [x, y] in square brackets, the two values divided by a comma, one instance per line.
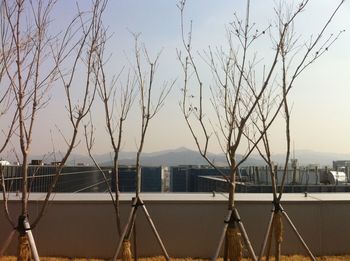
[231, 200]
[138, 175]
[233, 236]
[278, 229]
[116, 188]
[24, 251]
[24, 170]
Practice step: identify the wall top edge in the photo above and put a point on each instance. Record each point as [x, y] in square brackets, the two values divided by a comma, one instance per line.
[185, 197]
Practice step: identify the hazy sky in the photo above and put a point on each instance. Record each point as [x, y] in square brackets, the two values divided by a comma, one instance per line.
[321, 108]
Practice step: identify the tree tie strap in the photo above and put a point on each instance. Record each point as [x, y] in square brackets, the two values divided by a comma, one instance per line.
[277, 206]
[138, 203]
[21, 227]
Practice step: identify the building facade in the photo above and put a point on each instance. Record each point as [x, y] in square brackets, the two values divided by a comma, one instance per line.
[186, 178]
[75, 179]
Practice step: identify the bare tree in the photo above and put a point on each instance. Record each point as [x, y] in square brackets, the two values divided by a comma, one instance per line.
[40, 62]
[292, 66]
[117, 99]
[149, 107]
[237, 92]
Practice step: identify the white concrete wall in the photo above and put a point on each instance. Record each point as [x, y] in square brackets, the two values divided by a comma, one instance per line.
[189, 224]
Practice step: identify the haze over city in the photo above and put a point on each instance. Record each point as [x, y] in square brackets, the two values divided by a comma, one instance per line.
[320, 106]
[204, 112]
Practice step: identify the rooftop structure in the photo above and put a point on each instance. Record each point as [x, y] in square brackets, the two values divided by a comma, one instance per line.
[4, 163]
[337, 177]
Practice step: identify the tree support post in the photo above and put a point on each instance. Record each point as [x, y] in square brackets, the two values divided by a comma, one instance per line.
[160, 242]
[277, 208]
[245, 235]
[312, 257]
[31, 240]
[7, 242]
[24, 229]
[131, 222]
[267, 236]
[233, 218]
[223, 235]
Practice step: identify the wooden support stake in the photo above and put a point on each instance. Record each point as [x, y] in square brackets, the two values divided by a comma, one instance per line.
[245, 236]
[267, 235]
[226, 248]
[299, 236]
[155, 231]
[130, 226]
[241, 229]
[223, 236]
[135, 240]
[31, 240]
[122, 236]
[7, 242]
[269, 244]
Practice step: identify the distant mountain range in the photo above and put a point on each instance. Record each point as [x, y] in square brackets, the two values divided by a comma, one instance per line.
[184, 156]
[180, 156]
[306, 157]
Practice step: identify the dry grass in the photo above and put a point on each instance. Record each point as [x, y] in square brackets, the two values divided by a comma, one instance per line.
[284, 258]
[12, 258]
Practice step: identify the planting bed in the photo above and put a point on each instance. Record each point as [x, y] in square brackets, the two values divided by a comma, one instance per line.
[284, 258]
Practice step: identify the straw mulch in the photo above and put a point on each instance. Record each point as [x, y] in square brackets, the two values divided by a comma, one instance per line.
[284, 258]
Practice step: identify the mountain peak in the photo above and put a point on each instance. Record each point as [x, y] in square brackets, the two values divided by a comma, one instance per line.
[181, 149]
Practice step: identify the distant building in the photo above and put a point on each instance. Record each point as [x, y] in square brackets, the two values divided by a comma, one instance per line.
[251, 179]
[75, 179]
[165, 179]
[55, 163]
[4, 163]
[185, 178]
[337, 177]
[127, 179]
[81, 164]
[179, 179]
[341, 164]
[212, 184]
[36, 162]
[72, 179]
[151, 179]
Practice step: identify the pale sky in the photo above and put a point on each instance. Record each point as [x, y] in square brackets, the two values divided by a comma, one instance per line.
[320, 98]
